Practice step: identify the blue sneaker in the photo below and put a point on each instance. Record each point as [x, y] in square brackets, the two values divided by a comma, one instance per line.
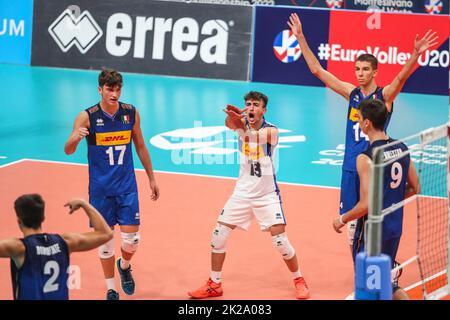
[126, 279]
[112, 295]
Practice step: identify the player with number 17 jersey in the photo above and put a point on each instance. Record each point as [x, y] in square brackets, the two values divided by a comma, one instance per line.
[110, 157]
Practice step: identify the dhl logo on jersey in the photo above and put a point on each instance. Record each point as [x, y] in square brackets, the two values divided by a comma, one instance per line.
[353, 115]
[253, 153]
[113, 138]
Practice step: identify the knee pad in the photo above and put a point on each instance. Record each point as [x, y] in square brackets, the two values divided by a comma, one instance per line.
[281, 243]
[219, 238]
[106, 250]
[130, 241]
[351, 227]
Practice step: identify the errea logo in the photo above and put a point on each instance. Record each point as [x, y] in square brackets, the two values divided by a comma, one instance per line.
[126, 35]
[81, 31]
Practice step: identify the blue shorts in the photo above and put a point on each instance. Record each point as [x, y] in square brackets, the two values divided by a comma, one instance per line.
[122, 209]
[388, 247]
[349, 191]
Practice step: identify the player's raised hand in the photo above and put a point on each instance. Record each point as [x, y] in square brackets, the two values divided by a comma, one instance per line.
[82, 132]
[234, 112]
[74, 204]
[428, 41]
[155, 190]
[230, 107]
[295, 24]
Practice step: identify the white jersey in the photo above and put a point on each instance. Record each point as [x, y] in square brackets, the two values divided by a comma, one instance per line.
[257, 173]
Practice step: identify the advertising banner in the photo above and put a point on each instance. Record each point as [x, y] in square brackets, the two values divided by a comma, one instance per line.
[15, 31]
[405, 6]
[155, 37]
[337, 37]
[276, 54]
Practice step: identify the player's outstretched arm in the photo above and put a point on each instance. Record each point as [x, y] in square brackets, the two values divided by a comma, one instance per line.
[80, 130]
[144, 156]
[235, 118]
[10, 248]
[330, 80]
[412, 182]
[362, 207]
[391, 91]
[86, 241]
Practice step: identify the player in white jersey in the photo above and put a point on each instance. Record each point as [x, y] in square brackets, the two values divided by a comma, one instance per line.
[256, 194]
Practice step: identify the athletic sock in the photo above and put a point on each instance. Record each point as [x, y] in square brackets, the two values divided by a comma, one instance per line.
[124, 264]
[296, 274]
[216, 276]
[111, 284]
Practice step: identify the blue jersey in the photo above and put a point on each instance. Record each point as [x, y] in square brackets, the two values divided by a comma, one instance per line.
[111, 168]
[43, 275]
[394, 185]
[355, 140]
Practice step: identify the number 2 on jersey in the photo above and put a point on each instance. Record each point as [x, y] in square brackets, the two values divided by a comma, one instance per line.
[51, 268]
[110, 152]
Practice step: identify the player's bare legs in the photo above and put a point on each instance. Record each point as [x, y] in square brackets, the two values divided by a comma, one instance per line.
[130, 241]
[107, 259]
[213, 287]
[282, 244]
[217, 259]
[126, 256]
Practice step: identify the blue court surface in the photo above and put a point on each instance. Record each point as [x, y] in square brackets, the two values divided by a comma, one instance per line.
[183, 121]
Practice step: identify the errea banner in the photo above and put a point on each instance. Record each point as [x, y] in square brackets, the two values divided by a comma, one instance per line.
[15, 31]
[338, 37]
[154, 37]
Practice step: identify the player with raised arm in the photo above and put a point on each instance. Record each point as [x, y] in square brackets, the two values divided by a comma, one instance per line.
[39, 260]
[366, 70]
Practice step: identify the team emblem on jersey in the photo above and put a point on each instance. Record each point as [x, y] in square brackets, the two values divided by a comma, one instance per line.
[100, 122]
[286, 47]
[333, 4]
[126, 119]
[433, 6]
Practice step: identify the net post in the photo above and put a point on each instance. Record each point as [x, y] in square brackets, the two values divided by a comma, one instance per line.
[373, 269]
[375, 206]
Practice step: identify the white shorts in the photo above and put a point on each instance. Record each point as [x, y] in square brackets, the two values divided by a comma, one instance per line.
[239, 211]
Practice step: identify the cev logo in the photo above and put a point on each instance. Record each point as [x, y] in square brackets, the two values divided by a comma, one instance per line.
[286, 47]
[433, 6]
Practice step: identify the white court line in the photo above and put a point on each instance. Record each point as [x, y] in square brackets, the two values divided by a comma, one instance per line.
[426, 280]
[178, 173]
[12, 163]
